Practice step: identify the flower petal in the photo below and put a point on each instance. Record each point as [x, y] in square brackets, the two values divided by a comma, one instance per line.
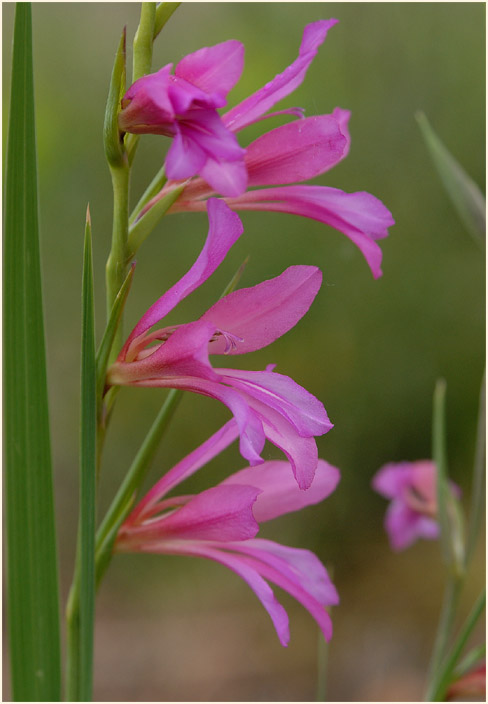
[305, 412]
[221, 513]
[261, 563]
[262, 313]
[186, 467]
[248, 573]
[404, 525]
[298, 565]
[229, 178]
[225, 228]
[185, 353]
[360, 216]
[296, 151]
[214, 69]
[279, 491]
[284, 83]
[185, 157]
[391, 480]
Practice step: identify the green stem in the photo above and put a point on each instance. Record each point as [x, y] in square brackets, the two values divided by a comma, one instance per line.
[472, 658]
[443, 677]
[73, 638]
[163, 13]
[477, 490]
[116, 269]
[451, 599]
[143, 42]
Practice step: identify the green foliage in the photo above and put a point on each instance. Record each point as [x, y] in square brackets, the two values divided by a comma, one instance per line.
[33, 607]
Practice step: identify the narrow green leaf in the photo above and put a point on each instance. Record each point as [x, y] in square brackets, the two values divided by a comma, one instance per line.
[445, 674]
[152, 190]
[478, 493]
[142, 228]
[450, 515]
[462, 190]
[231, 286]
[106, 344]
[114, 149]
[163, 13]
[87, 474]
[33, 602]
[122, 502]
[472, 658]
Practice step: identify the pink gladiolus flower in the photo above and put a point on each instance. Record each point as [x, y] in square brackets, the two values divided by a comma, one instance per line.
[265, 404]
[290, 154]
[221, 523]
[184, 106]
[412, 512]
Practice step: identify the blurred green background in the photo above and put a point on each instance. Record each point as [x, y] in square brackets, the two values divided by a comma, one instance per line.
[180, 629]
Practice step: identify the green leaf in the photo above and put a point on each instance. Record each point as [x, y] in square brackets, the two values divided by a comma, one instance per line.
[446, 672]
[33, 601]
[87, 474]
[233, 283]
[142, 228]
[114, 148]
[462, 190]
[164, 11]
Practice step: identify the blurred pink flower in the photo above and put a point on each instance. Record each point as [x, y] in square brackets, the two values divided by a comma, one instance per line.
[292, 153]
[221, 523]
[265, 404]
[412, 513]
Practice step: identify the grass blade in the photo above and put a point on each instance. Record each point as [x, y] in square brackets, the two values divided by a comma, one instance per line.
[87, 474]
[462, 190]
[33, 601]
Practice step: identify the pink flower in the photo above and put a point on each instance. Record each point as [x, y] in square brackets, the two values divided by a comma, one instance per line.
[184, 106]
[290, 154]
[221, 523]
[412, 512]
[265, 404]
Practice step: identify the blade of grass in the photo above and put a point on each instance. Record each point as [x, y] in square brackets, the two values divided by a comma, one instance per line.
[461, 189]
[87, 473]
[445, 674]
[33, 601]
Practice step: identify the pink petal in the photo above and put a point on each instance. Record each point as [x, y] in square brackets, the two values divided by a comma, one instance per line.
[185, 353]
[206, 129]
[262, 313]
[225, 228]
[214, 69]
[404, 526]
[148, 108]
[279, 491]
[260, 562]
[221, 513]
[342, 117]
[300, 451]
[299, 566]
[186, 467]
[296, 151]
[229, 178]
[185, 157]
[284, 83]
[305, 412]
[251, 432]
[391, 480]
[360, 216]
[248, 573]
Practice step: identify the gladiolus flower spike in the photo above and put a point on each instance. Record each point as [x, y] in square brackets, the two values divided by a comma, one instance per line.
[221, 523]
[264, 404]
[290, 154]
[412, 513]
